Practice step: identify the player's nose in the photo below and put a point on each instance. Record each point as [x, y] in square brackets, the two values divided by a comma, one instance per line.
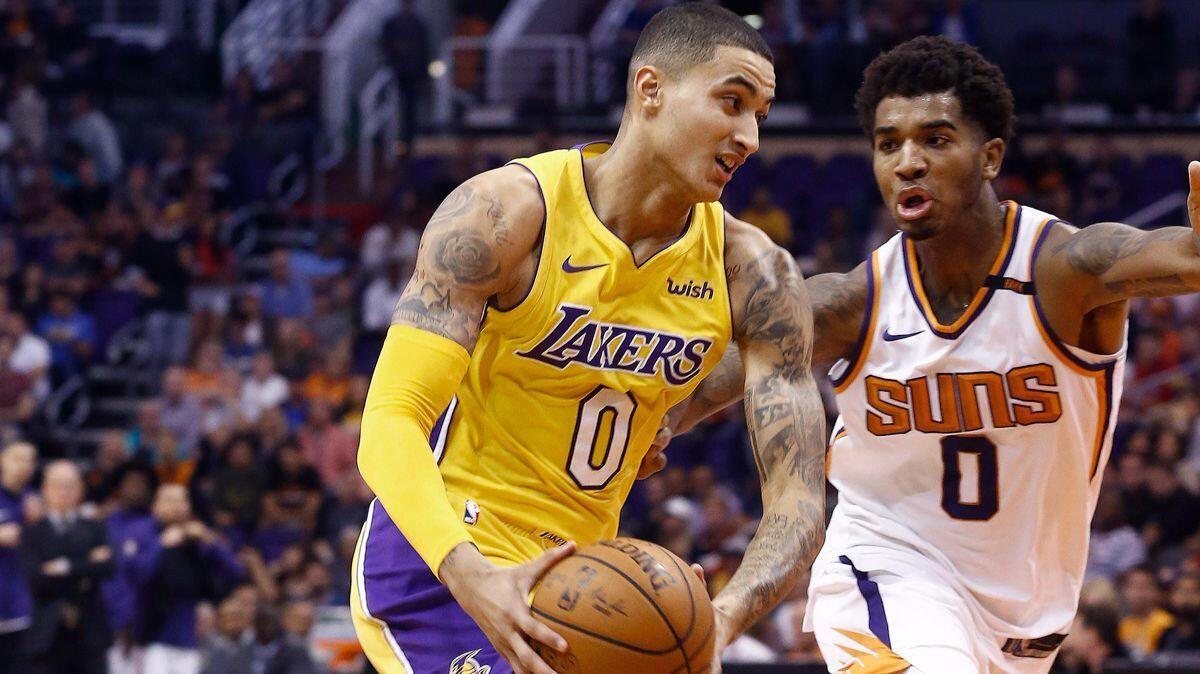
[746, 136]
[911, 164]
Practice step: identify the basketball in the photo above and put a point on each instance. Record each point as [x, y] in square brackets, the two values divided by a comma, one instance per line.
[628, 606]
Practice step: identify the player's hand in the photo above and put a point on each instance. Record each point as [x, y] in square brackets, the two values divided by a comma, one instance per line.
[656, 459]
[721, 640]
[494, 597]
[1193, 202]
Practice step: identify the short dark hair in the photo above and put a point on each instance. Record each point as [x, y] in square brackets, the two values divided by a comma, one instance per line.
[687, 35]
[925, 65]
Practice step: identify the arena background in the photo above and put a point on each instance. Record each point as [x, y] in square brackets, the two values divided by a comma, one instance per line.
[209, 208]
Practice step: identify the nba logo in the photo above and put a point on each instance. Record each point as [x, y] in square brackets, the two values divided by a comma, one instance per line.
[467, 664]
[471, 512]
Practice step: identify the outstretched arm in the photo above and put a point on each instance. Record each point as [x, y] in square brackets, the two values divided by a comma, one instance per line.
[773, 326]
[1113, 262]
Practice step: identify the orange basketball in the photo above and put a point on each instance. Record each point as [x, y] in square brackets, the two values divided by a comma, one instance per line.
[626, 606]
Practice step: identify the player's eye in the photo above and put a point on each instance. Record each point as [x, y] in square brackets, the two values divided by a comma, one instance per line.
[887, 145]
[734, 103]
[760, 118]
[938, 140]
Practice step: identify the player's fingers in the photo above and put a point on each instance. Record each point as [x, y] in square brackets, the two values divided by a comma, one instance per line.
[1194, 194]
[655, 461]
[532, 571]
[538, 631]
[699, 570]
[526, 658]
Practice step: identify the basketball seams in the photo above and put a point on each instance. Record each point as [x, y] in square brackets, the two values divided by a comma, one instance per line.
[705, 642]
[653, 603]
[596, 635]
[690, 595]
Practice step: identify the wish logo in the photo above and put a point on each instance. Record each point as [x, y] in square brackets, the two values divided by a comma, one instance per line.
[691, 289]
[467, 664]
[622, 348]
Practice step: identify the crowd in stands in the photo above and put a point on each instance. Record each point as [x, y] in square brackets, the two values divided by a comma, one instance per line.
[822, 46]
[211, 529]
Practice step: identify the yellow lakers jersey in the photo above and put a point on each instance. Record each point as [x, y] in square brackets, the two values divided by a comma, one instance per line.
[566, 391]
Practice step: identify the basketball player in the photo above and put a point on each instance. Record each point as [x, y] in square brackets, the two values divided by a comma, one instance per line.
[560, 306]
[979, 356]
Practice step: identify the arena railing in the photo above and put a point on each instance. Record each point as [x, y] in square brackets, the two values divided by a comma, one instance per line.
[497, 78]
[379, 117]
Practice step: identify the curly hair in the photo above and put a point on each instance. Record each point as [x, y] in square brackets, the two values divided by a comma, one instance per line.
[935, 64]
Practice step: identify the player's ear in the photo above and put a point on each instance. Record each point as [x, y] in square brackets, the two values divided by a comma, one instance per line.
[993, 157]
[647, 88]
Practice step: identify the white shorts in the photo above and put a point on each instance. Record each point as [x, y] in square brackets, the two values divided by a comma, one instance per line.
[884, 623]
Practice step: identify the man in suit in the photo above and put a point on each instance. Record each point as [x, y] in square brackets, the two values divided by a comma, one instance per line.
[65, 557]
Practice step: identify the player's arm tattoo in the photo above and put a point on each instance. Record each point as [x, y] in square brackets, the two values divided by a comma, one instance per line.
[1125, 262]
[786, 420]
[458, 266]
[838, 304]
[720, 389]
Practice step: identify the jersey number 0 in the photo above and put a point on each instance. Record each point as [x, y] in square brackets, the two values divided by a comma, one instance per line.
[987, 495]
[603, 414]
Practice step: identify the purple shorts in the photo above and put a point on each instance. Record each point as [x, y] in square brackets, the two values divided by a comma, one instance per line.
[406, 620]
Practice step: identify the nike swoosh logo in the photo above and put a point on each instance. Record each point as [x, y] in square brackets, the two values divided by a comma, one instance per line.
[889, 337]
[572, 269]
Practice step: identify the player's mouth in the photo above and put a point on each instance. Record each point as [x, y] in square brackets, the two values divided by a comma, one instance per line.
[727, 164]
[913, 203]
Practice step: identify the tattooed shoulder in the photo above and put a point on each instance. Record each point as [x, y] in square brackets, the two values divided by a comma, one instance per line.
[474, 241]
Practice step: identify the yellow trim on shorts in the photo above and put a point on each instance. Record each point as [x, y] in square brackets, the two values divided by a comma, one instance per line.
[377, 642]
[877, 659]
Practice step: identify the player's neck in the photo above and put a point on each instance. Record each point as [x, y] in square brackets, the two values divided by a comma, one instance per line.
[955, 263]
[630, 201]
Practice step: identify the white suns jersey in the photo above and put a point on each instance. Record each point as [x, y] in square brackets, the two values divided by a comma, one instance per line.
[972, 451]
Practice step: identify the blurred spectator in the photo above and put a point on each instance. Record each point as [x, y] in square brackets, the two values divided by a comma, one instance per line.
[96, 135]
[187, 564]
[161, 262]
[27, 116]
[66, 556]
[17, 400]
[319, 264]
[298, 618]
[203, 379]
[238, 486]
[1173, 508]
[1143, 626]
[273, 649]
[283, 294]
[293, 489]
[17, 464]
[1185, 605]
[1151, 55]
[1187, 92]
[130, 533]
[956, 20]
[333, 315]
[1091, 642]
[88, 197]
[223, 646]
[180, 411]
[764, 214]
[404, 41]
[381, 296]
[71, 334]
[263, 389]
[331, 381]
[393, 239]
[326, 445]
[1115, 546]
